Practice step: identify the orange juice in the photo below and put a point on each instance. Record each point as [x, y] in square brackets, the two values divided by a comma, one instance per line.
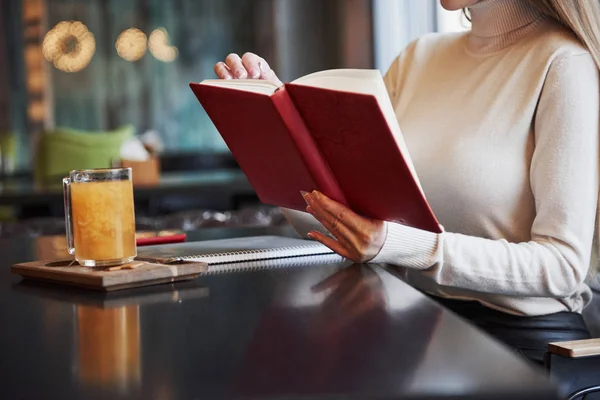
[102, 215]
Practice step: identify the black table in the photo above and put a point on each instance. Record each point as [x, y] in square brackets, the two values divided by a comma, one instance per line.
[329, 331]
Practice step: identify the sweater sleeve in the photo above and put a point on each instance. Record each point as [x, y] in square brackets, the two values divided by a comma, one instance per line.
[564, 182]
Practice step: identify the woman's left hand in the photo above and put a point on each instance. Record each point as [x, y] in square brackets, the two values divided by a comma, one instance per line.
[356, 238]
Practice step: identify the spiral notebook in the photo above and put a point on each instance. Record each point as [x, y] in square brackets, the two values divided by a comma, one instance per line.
[255, 252]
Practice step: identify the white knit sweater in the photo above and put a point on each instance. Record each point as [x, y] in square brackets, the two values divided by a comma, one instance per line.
[502, 124]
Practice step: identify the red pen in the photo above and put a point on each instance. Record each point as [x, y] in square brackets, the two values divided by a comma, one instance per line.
[149, 241]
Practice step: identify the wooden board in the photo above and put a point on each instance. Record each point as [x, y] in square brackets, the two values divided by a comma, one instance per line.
[63, 272]
[576, 348]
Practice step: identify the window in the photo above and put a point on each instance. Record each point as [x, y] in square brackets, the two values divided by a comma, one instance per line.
[99, 64]
[398, 22]
[130, 62]
[451, 21]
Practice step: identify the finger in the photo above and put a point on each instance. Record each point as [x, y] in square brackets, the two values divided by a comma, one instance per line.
[337, 235]
[266, 72]
[365, 236]
[251, 64]
[234, 62]
[336, 225]
[362, 244]
[340, 212]
[223, 71]
[333, 244]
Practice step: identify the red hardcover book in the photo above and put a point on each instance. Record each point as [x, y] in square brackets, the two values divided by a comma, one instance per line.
[333, 131]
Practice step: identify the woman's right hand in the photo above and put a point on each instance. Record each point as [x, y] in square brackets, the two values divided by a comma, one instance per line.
[249, 66]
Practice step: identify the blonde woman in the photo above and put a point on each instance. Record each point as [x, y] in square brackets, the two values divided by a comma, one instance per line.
[502, 123]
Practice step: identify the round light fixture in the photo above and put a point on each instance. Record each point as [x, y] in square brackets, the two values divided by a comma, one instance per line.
[131, 44]
[160, 48]
[70, 46]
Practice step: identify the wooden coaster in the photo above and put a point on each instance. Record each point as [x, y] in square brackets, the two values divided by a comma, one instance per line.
[131, 265]
[127, 276]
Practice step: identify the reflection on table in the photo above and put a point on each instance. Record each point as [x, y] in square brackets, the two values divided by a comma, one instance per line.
[108, 346]
[340, 343]
[51, 248]
[103, 334]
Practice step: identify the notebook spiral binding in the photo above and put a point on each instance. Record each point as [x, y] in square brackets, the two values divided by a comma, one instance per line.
[278, 253]
[275, 263]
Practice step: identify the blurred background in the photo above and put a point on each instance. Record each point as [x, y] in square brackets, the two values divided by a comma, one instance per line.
[80, 78]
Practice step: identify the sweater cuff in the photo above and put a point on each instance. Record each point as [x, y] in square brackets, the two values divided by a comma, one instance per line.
[408, 247]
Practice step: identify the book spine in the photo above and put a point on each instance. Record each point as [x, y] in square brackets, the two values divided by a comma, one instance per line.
[307, 146]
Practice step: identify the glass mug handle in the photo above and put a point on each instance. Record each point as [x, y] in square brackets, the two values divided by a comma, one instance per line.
[68, 219]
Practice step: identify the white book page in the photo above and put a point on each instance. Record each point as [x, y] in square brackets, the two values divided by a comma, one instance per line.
[247, 85]
[362, 81]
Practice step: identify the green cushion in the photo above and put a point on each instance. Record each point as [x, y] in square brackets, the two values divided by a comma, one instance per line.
[8, 143]
[63, 149]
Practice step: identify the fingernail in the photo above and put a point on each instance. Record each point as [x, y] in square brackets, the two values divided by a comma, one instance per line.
[264, 67]
[305, 196]
[316, 194]
[254, 73]
[227, 77]
[310, 210]
[240, 73]
[310, 236]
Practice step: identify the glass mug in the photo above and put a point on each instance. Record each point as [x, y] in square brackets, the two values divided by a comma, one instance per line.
[99, 216]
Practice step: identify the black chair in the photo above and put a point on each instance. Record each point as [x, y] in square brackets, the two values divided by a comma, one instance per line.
[580, 360]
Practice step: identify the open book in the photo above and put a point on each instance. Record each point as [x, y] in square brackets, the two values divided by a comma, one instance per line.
[334, 131]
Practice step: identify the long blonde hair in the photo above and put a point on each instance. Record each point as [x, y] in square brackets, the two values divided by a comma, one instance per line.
[582, 17]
